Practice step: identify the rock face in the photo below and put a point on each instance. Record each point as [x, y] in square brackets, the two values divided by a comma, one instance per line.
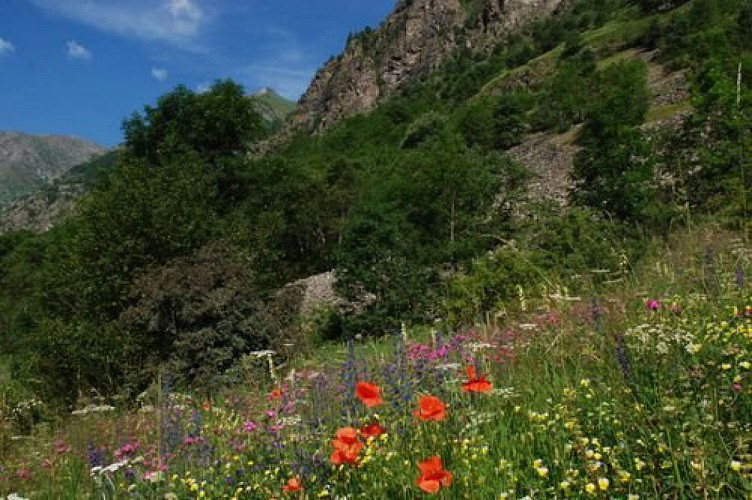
[28, 161]
[416, 38]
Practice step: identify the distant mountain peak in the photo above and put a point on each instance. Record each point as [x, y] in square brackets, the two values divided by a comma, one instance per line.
[273, 107]
[29, 161]
[265, 91]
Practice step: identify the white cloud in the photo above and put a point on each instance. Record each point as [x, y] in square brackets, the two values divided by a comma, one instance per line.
[159, 74]
[77, 51]
[177, 22]
[6, 46]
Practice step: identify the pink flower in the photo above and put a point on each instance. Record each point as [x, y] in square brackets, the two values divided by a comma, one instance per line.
[127, 450]
[653, 304]
[738, 387]
[61, 447]
[249, 426]
[23, 474]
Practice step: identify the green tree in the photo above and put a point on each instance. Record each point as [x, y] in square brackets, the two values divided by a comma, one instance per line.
[615, 171]
[217, 123]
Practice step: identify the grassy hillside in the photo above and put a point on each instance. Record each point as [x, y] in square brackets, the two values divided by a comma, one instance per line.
[612, 319]
[273, 107]
[638, 387]
[47, 204]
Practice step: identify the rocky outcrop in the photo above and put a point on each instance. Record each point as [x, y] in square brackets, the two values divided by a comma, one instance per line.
[549, 159]
[415, 39]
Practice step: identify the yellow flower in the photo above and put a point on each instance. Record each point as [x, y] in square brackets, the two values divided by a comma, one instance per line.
[603, 483]
[632, 496]
[590, 488]
[565, 485]
[736, 466]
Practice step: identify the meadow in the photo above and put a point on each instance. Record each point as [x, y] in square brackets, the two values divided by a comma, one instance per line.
[641, 388]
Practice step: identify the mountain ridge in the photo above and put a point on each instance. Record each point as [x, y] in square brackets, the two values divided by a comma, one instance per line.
[28, 161]
[417, 37]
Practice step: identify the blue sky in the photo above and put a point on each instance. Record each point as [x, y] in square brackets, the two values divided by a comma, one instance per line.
[78, 67]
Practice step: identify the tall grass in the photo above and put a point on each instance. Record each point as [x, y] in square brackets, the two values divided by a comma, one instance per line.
[640, 389]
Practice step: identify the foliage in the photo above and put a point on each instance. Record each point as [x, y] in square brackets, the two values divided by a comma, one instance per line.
[615, 170]
[432, 211]
[423, 129]
[194, 315]
[714, 176]
[407, 204]
[217, 123]
[495, 122]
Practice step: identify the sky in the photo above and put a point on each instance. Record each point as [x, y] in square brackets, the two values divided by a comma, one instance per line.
[79, 67]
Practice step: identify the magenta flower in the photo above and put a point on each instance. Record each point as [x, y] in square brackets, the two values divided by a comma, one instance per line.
[127, 450]
[61, 447]
[653, 304]
[249, 426]
[23, 474]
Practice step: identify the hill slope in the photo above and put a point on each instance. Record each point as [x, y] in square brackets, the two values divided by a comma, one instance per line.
[40, 209]
[274, 108]
[28, 161]
[415, 39]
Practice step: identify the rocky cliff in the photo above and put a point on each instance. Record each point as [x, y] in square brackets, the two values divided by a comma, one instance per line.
[416, 38]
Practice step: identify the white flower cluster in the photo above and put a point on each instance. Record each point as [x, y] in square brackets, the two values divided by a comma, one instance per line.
[504, 392]
[25, 407]
[109, 469]
[92, 408]
[647, 338]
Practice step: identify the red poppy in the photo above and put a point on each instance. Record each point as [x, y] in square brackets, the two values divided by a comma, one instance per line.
[372, 430]
[369, 394]
[430, 408]
[432, 475]
[293, 485]
[275, 394]
[206, 406]
[346, 446]
[476, 384]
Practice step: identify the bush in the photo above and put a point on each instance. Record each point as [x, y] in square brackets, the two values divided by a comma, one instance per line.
[197, 315]
[490, 281]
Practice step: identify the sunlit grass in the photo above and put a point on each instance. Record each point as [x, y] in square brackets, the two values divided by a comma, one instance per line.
[640, 389]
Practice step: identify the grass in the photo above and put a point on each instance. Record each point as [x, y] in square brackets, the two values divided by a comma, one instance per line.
[670, 110]
[606, 395]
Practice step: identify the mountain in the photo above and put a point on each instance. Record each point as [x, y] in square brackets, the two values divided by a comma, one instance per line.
[29, 161]
[273, 107]
[39, 210]
[416, 38]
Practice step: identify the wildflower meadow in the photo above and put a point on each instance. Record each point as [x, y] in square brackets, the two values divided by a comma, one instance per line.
[643, 390]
